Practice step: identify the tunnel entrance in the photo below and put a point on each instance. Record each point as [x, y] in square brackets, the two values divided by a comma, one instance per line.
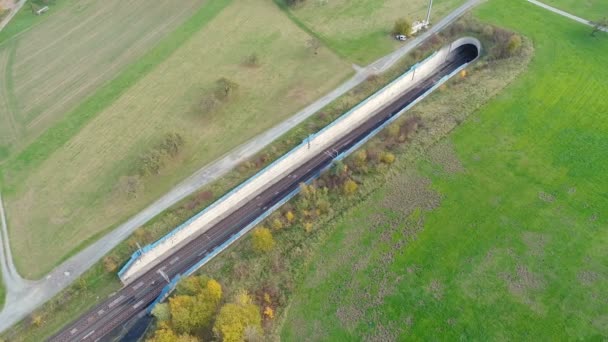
[466, 53]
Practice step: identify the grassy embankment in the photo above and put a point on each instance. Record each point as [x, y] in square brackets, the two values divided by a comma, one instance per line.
[65, 188]
[500, 234]
[361, 30]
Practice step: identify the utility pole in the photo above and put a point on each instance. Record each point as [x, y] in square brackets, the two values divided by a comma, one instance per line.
[141, 251]
[428, 14]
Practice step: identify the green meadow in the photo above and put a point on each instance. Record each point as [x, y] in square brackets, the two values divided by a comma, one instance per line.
[501, 235]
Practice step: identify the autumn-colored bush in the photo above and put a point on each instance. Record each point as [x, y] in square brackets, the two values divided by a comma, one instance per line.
[262, 240]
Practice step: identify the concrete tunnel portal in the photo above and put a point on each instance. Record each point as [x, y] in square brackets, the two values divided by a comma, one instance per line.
[469, 52]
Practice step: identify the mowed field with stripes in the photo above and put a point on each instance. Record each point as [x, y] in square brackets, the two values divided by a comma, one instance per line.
[66, 55]
[63, 189]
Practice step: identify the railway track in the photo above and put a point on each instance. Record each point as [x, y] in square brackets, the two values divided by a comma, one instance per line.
[132, 299]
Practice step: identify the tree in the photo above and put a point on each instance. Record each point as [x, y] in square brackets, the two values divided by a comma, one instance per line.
[182, 315]
[192, 312]
[514, 45]
[314, 44]
[162, 312]
[403, 26]
[191, 286]
[350, 187]
[262, 240]
[600, 25]
[165, 334]
[171, 144]
[214, 290]
[225, 88]
[235, 318]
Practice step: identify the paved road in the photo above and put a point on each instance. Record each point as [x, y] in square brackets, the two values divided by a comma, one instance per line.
[138, 294]
[22, 301]
[566, 14]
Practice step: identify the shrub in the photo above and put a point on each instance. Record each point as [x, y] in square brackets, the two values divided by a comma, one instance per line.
[350, 187]
[131, 186]
[152, 161]
[308, 226]
[110, 264]
[488, 31]
[268, 312]
[262, 240]
[402, 26]
[225, 88]
[514, 45]
[252, 61]
[387, 158]
[289, 216]
[36, 320]
[393, 130]
[276, 224]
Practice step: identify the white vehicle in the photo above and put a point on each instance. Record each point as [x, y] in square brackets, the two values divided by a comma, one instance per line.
[401, 37]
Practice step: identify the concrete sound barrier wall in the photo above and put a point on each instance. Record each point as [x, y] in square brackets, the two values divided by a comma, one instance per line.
[152, 254]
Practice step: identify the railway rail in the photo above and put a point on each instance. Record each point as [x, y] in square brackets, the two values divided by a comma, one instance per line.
[137, 296]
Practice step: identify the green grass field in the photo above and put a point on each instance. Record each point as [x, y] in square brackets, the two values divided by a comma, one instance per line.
[69, 196]
[360, 29]
[60, 58]
[588, 9]
[504, 236]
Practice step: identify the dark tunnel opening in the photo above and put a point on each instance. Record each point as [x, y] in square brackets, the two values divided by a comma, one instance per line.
[466, 52]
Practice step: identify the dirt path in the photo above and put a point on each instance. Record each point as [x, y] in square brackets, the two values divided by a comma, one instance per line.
[20, 302]
[565, 14]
